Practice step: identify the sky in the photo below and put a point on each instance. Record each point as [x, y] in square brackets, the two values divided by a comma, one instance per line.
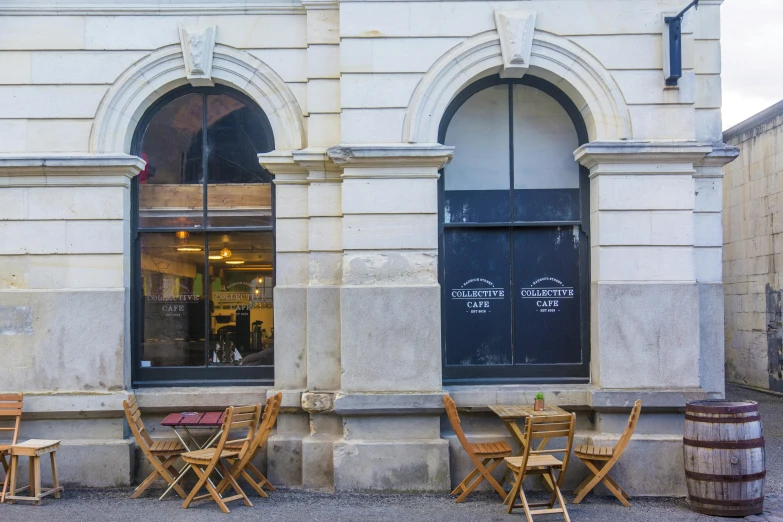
[752, 57]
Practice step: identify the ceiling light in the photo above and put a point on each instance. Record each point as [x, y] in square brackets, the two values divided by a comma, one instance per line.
[189, 249]
[235, 262]
[225, 253]
[181, 234]
[214, 258]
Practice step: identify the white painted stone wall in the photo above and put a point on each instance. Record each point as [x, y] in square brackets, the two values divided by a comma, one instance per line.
[753, 253]
[357, 305]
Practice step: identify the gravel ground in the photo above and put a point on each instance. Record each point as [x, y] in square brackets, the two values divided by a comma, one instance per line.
[86, 505]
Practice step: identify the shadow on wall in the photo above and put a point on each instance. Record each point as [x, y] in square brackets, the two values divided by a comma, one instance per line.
[775, 338]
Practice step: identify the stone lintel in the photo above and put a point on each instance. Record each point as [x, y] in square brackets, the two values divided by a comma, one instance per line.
[388, 403]
[300, 166]
[389, 156]
[319, 5]
[641, 152]
[320, 166]
[711, 166]
[68, 169]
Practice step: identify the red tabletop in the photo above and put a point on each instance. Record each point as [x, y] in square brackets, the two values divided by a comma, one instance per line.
[203, 419]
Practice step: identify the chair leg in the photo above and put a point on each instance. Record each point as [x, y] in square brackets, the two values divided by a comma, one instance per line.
[5, 478]
[214, 494]
[235, 485]
[464, 484]
[593, 482]
[559, 495]
[256, 487]
[616, 485]
[262, 480]
[486, 474]
[582, 484]
[55, 480]
[199, 484]
[147, 482]
[14, 464]
[515, 489]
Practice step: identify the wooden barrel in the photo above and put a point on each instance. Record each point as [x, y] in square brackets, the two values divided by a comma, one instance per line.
[723, 449]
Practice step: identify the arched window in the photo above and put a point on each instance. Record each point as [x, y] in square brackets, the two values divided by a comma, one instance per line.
[514, 225]
[203, 241]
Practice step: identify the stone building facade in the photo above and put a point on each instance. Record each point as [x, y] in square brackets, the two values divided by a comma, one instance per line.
[485, 199]
[752, 251]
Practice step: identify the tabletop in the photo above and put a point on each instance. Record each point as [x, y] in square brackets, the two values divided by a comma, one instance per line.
[518, 412]
[202, 419]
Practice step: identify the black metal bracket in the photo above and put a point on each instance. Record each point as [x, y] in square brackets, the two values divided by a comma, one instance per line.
[674, 72]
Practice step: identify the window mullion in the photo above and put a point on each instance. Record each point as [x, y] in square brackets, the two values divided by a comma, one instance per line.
[207, 286]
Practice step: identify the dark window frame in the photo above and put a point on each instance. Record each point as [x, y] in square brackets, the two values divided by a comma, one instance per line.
[521, 374]
[171, 376]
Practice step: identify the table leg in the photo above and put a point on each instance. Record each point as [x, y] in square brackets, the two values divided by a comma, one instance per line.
[185, 469]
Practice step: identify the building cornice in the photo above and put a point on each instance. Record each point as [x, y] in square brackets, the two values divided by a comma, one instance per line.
[19, 170]
[411, 160]
[172, 8]
[640, 152]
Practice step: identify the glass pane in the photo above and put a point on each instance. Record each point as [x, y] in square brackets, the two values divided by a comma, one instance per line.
[544, 142]
[548, 310]
[477, 307]
[173, 326]
[479, 132]
[242, 312]
[170, 186]
[240, 189]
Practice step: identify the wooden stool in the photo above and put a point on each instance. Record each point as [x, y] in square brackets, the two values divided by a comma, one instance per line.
[34, 449]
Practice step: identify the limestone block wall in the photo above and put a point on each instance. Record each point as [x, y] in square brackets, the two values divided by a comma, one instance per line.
[753, 252]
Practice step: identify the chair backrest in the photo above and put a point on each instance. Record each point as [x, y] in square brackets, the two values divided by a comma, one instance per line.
[243, 418]
[268, 419]
[550, 427]
[456, 424]
[625, 438]
[11, 410]
[133, 416]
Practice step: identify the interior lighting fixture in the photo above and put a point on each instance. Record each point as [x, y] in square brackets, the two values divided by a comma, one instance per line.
[215, 257]
[235, 262]
[189, 248]
[225, 253]
[181, 234]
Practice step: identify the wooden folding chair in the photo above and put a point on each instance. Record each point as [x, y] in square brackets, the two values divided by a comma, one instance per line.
[542, 462]
[207, 460]
[244, 466]
[10, 411]
[486, 456]
[600, 459]
[160, 453]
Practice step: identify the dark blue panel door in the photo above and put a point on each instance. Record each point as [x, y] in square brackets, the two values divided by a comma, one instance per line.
[547, 299]
[477, 304]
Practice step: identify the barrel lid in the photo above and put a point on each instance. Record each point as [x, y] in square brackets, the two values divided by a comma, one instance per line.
[721, 406]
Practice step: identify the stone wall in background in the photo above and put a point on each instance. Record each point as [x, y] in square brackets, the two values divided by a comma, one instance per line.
[753, 252]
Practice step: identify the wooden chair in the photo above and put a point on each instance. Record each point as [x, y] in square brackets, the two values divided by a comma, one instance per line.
[160, 453]
[10, 411]
[485, 456]
[600, 459]
[207, 460]
[241, 466]
[542, 462]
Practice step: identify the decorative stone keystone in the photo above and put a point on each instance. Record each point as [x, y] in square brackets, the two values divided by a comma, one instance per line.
[198, 44]
[317, 402]
[516, 41]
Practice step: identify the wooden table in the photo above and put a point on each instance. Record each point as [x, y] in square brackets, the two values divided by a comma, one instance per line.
[510, 415]
[196, 420]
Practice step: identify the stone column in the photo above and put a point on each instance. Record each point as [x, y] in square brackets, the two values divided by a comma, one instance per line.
[390, 320]
[708, 253]
[644, 298]
[284, 449]
[65, 304]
